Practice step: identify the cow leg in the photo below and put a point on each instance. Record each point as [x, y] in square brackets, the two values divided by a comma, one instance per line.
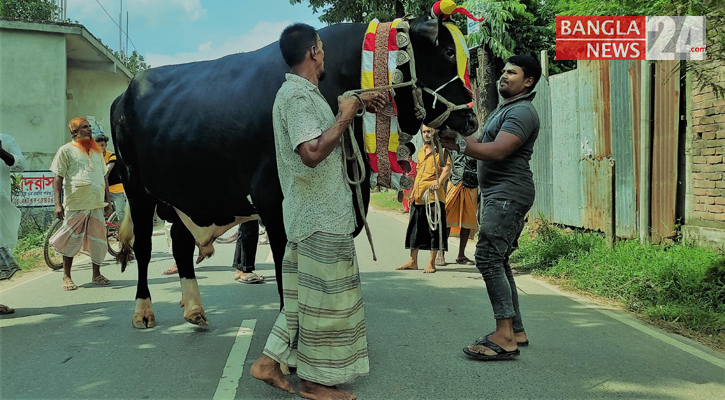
[183, 249]
[142, 212]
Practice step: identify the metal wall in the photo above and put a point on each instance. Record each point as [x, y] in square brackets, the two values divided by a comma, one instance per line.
[595, 116]
[666, 106]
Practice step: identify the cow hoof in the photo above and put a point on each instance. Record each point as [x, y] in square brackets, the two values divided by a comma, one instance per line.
[144, 320]
[196, 316]
[144, 316]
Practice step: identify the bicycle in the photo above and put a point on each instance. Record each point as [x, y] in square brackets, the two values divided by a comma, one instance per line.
[54, 260]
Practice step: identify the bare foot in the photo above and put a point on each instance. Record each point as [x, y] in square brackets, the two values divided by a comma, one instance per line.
[409, 265]
[315, 391]
[171, 270]
[430, 269]
[267, 370]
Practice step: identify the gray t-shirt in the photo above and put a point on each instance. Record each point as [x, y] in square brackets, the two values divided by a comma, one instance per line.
[511, 178]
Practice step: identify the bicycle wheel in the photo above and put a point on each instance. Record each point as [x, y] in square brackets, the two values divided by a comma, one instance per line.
[53, 259]
[229, 236]
[112, 226]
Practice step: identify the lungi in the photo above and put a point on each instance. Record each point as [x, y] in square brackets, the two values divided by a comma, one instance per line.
[321, 329]
[82, 230]
[461, 206]
[419, 235]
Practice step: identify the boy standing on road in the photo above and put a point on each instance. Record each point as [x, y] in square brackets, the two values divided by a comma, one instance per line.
[429, 181]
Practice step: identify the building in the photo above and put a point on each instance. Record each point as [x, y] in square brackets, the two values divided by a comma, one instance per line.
[49, 73]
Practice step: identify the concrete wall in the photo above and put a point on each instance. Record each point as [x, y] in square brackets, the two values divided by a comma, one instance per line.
[32, 94]
[93, 93]
[705, 204]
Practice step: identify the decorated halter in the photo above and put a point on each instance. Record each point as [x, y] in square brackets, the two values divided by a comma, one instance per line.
[386, 47]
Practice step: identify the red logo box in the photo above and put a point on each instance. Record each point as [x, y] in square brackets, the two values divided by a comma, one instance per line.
[601, 38]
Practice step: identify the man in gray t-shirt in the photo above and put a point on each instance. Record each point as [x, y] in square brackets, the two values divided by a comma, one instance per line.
[507, 185]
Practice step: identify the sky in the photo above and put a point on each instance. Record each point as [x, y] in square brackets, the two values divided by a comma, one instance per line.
[179, 31]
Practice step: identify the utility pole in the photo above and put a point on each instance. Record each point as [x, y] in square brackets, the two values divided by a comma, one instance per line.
[120, 30]
[126, 32]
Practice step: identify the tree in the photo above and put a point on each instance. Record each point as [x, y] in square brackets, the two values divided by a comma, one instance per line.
[135, 63]
[363, 11]
[39, 10]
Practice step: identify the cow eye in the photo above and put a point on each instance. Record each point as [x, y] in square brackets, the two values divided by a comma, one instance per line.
[450, 53]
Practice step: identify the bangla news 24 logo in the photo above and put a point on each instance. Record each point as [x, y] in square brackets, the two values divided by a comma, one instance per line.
[630, 38]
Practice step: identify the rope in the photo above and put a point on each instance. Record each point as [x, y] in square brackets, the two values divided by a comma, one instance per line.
[358, 173]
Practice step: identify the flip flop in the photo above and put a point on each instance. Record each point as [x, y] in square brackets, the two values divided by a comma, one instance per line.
[6, 310]
[171, 271]
[465, 261]
[501, 354]
[254, 278]
[101, 280]
[520, 344]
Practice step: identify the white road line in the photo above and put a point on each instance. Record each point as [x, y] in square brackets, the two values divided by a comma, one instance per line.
[269, 259]
[628, 320]
[234, 368]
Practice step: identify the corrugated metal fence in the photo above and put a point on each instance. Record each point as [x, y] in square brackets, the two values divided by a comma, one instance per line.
[589, 115]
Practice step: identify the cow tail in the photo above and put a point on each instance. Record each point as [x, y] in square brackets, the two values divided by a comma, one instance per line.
[125, 236]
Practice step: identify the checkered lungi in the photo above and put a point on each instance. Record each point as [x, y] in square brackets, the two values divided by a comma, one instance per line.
[82, 230]
[321, 329]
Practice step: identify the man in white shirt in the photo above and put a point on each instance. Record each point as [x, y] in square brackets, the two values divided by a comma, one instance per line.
[80, 173]
[11, 159]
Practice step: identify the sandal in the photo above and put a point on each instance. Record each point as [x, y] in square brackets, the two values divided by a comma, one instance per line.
[6, 310]
[501, 354]
[69, 285]
[101, 280]
[171, 271]
[254, 278]
[520, 344]
[465, 261]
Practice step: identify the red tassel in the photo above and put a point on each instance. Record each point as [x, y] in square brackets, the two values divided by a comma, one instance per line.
[461, 10]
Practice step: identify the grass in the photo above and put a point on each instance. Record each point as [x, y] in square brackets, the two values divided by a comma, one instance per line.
[387, 200]
[675, 285]
[29, 251]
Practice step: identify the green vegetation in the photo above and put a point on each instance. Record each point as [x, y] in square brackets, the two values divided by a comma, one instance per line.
[676, 283]
[387, 200]
[29, 251]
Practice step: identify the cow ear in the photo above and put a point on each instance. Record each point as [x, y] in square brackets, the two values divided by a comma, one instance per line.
[427, 29]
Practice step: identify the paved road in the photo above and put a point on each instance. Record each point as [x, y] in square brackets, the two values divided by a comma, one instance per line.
[81, 344]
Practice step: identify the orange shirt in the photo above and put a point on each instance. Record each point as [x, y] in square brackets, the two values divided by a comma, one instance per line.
[108, 157]
[428, 162]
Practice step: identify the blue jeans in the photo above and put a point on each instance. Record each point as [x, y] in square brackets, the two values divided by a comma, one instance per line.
[501, 224]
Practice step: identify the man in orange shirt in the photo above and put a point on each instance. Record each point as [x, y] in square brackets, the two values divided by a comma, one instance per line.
[429, 183]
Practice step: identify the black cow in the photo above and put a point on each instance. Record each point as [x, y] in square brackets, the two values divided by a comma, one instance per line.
[198, 138]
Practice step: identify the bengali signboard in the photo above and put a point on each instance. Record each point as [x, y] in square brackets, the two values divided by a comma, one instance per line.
[35, 189]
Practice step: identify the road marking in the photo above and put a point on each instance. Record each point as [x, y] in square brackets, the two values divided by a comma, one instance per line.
[628, 320]
[270, 258]
[234, 368]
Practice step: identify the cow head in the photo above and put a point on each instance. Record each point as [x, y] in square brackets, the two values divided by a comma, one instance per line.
[436, 68]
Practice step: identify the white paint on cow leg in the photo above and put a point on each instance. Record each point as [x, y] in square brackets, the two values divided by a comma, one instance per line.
[234, 368]
[143, 317]
[206, 235]
[191, 302]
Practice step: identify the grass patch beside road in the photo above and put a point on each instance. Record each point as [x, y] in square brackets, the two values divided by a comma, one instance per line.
[29, 251]
[387, 200]
[676, 285]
